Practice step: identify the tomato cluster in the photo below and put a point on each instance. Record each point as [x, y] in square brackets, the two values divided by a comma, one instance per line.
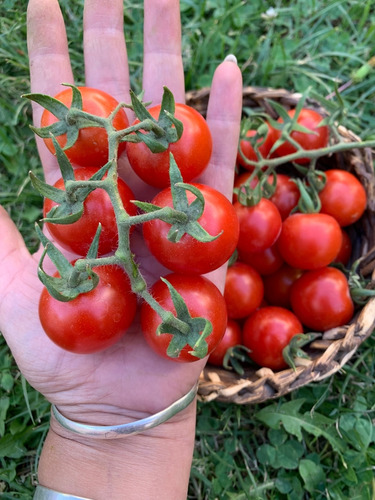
[285, 280]
[96, 319]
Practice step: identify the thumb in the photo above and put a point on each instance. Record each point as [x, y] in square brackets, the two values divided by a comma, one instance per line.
[18, 277]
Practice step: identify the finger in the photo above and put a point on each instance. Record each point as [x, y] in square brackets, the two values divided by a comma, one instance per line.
[106, 62]
[162, 58]
[224, 119]
[49, 62]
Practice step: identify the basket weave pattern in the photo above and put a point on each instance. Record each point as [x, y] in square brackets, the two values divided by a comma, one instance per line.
[332, 351]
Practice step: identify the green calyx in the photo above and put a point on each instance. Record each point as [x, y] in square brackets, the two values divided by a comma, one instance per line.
[294, 350]
[69, 122]
[184, 216]
[70, 200]
[72, 281]
[185, 329]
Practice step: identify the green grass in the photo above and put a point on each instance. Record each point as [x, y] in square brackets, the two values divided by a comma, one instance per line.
[324, 445]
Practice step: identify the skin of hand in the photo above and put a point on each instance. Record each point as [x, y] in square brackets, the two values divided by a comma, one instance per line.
[127, 381]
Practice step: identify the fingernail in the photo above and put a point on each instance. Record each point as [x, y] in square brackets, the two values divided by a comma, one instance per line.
[231, 58]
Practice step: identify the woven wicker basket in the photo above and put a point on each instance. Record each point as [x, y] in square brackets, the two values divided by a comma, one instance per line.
[336, 346]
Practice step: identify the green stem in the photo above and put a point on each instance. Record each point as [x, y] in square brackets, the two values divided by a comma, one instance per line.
[312, 153]
[162, 213]
[166, 316]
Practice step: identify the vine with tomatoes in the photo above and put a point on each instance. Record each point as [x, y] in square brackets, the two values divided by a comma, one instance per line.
[90, 302]
[292, 277]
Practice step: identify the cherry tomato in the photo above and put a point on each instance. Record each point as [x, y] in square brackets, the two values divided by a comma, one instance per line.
[265, 144]
[277, 286]
[309, 241]
[192, 151]
[91, 147]
[321, 299]
[202, 298]
[266, 262]
[260, 225]
[232, 337]
[243, 291]
[98, 208]
[318, 139]
[266, 332]
[92, 321]
[286, 195]
[343, 197]
[188, 254]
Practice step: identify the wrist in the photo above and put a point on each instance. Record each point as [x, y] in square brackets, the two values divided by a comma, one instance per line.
[156, 462]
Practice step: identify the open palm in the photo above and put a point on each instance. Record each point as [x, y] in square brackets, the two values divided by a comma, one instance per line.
[128, 378]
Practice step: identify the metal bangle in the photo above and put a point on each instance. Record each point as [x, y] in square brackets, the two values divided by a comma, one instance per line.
[43, 493]
[131, 428]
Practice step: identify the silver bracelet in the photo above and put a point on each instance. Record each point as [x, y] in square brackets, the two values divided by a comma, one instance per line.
[43, 493]
[131, 428]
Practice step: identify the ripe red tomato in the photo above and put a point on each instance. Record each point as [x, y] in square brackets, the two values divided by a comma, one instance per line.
[91, 147]
[232, 337]
[98, 208]
[203, 299]
[309, 119]
[343, 197]
[190, 255]
[260, 225]
[192, 151]
[286, 195]
[243, 291]
[309, 241]
[265, 144]
[321, 299]
[266, 332]
[277, 286]
[266, 262]
[92, 321]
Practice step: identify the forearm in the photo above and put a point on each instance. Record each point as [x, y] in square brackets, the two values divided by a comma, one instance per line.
[154, 465]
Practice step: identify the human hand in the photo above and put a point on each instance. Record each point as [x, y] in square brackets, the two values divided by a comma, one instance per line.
[127, 380]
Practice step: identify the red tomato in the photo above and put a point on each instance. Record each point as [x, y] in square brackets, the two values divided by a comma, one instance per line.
[309, 119]
[203, 299]
[91, 147]
[345, 251]
[232, 337]
[266, 332]
[192, 151]
[92, 321]
[277, 286]
[265, 144]
[266, 262]
[260, 226]
[243, 291]
[309, 241]
[286, 196]
[188, 254]
[343, 197]
[98, 208]
[321, 299]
